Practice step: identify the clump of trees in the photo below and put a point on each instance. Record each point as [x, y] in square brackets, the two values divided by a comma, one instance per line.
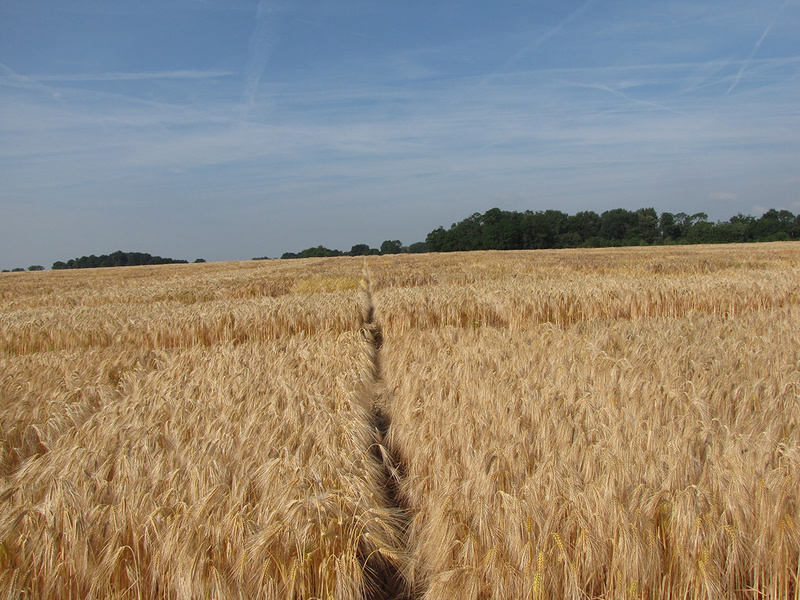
[506, 230]
[21, 270]
[115, 259]
[387, 247]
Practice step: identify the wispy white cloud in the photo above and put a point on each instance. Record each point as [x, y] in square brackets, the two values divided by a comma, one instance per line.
[402, 129]
[128, 7]
[544, 120]
[539, 41]
[754, 51]
[262, 42]
[12, 79]
[188, 74]
[627, 97]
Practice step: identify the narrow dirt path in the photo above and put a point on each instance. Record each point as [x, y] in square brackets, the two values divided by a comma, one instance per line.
[392, 585]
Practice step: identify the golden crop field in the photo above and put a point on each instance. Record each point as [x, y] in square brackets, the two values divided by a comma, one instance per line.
[616, 423]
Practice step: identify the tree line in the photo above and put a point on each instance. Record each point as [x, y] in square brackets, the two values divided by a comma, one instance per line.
[117, 259]
[507, 230]
[387, 247]
[20, 269]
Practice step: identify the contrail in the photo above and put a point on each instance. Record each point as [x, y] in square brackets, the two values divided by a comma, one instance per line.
[11, 78]
[134, 76]
[7, 71]
[611, 90]
[262, 43]
[752, 55]
[546, 36]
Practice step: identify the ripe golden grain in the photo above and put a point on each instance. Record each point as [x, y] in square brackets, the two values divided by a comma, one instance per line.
[617, 423]
[657, 457]
[229, 473]
[166, 448]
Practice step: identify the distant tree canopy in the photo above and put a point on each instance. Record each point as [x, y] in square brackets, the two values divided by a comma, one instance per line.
[316, 252]
[387, 247]
[504, 230]
[418, 248]
[508, 230]
[362, 250]
[391, 247]
[115, 259]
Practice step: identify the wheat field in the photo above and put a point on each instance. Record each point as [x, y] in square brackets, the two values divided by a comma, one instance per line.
[616, 423]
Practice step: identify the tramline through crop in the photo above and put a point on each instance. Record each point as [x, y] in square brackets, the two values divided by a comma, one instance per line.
[393, 585]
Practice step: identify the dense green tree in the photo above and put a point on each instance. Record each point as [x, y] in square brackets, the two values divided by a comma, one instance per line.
[697, 229]
[583, 226]
[497, 229]
[794, 230]
[772, 223]
[647, 226]
[36, 268]
[501, 230]
[619, 225]
[556, 224]
[508, 230]
[737, 229]
[315, 252]
[537, 233]
[362, 250]
[667, 227]
[418, 248]
[359, 250]
[468, 234]
[115, 259]
[681, 224]
[787, 220]
[702, 232]
[319, 252]
[436, 240]
[391, 247]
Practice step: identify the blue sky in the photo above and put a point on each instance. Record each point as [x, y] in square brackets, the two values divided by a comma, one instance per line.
[228, 129]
